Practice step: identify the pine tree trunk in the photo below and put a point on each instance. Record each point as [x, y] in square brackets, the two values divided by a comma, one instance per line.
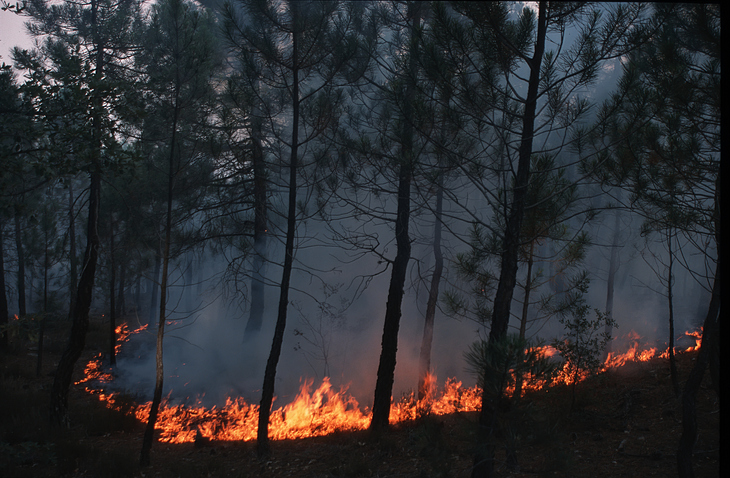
[154, 285]
[708, 355]
[389, 343]
[42, 329]
[4, 312]
[670, 302]
[121, 306]
[525, 309]
[692, 385]
[611, 281]
[433, 293]
[484, 457]
[112, 304]
[73, 263]
[149, 434]
[21, 266]
[255, 319]
[267, 392]
[80, 323]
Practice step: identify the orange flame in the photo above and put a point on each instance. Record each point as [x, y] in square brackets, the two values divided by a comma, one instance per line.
[324, 410]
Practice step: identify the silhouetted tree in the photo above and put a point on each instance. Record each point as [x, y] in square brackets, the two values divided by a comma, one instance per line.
[179, 60]
[86, 44]
[303, 50]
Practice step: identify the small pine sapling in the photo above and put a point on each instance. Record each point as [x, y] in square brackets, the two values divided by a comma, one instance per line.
[585, 338]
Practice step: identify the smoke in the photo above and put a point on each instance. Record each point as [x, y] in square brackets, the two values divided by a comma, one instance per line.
[206, 358]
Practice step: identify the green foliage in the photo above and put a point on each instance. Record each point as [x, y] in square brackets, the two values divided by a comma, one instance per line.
[585, 338]
[658, 137]
[504, 363]
[498, 365]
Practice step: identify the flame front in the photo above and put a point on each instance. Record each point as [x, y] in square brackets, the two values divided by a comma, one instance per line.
[324, 410]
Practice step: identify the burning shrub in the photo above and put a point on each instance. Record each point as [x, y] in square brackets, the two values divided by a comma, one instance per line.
[499, 367]
[583, 344]
[501, 364]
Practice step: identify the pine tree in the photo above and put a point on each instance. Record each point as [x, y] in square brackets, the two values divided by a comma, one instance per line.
[179, 58]
[87, 46]
[303, 51]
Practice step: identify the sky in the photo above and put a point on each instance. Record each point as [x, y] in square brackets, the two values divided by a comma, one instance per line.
[12, 33]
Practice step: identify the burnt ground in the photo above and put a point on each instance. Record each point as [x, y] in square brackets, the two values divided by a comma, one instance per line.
[625, 423]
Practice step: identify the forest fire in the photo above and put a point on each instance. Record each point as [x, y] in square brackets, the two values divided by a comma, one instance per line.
[322, 410]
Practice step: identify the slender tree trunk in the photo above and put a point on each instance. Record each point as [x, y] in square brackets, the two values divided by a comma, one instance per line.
[528, 289]
[525, 309]
[255, 319]
[121, 306]
[670, 302]
[21, 266]
[694, 380]
[484, 457]
[46, 266]
[154, 285]
[389, 343]
[138, 294]
[267, 392]
[149, 433]
[611, 281]
[427, 341]
[73, 262]
[708, 355]
[391, 325]
[4, 312]
[112, 304]
[80, 324]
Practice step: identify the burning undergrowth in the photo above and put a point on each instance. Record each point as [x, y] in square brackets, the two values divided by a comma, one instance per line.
[319, 409]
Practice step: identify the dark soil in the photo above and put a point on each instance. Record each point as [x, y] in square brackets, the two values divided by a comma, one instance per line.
[625, 423]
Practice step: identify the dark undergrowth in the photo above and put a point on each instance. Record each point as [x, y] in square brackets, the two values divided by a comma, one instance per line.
[625, 424]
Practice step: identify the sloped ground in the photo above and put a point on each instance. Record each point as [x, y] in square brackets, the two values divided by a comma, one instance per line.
[625, 424]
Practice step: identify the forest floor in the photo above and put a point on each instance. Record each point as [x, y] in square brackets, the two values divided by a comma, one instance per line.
[625, 423]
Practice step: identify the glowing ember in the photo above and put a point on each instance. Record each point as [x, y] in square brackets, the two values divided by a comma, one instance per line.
[322, 411]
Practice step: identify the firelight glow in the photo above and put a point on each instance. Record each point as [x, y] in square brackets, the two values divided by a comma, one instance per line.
[324, 410]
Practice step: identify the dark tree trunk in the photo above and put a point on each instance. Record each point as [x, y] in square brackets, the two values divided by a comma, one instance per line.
[255, 319]
[21, 266]
[525, 309]
[267, 392]
[528, 289]
[391, 325]
[42, 329]
[708, 355]
[389, 343]
[611, 281]
[121, 306]
[149, 433]
[4, 312]
[154, 285]
[112, 304]
[73, 263]
[433, 293]
[138, 294]
[708, 347]
[484, 457]
[670, 302]
[80, 323]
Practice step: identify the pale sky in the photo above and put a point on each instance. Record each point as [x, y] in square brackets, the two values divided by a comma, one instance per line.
[12, 33]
